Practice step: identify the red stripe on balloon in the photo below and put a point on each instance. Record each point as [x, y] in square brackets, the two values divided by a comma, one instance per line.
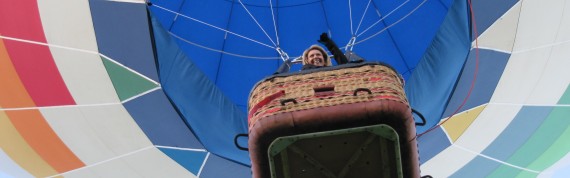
[34, 63]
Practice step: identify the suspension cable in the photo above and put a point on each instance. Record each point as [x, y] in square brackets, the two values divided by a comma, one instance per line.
[384, 17]
[176, 17]
[326, 18]
[259, 25]
[220, 51]
[350, 16]
[362, 18]
[399, 20]
[274, 22]
[210, 25]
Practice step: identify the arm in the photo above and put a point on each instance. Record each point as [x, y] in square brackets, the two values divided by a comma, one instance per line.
[339, 57]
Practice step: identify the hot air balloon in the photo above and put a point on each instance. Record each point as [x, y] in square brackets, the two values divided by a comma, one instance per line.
[280, 32]
[94, 88]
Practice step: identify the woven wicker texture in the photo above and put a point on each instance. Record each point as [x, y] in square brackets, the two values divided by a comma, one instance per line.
[324, 88]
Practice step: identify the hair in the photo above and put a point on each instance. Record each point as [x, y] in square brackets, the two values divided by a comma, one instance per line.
[321, 49]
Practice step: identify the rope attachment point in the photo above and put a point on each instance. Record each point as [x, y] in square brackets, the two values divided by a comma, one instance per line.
[284, 56]
[350, 44]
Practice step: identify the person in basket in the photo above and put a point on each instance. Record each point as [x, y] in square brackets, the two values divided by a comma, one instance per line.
[315, 57]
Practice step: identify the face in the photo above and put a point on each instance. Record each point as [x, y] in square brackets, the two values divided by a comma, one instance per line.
[316, 57]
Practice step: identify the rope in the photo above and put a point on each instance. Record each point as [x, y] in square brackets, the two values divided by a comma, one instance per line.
[176, 17]
[350, 13]
[474, 73]
[350, 45]
[386, 16]
[210, 25]
[259, 25]
[362, 18]
[220, 51]
[399, 20]
[326, 17]
[284, 56]
[283, 6]
[274, 22]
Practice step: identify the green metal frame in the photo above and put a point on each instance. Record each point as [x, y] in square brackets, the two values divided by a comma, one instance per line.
[281, 147]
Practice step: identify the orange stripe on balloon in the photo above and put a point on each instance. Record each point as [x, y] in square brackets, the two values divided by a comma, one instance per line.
[39, 135]
[30, 78]
[13, 94]
[14, 145]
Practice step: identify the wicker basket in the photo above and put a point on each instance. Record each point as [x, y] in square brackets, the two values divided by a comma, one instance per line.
[304, 91]
[330, 100]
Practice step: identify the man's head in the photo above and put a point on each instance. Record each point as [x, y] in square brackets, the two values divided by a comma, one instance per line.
[316, 55]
